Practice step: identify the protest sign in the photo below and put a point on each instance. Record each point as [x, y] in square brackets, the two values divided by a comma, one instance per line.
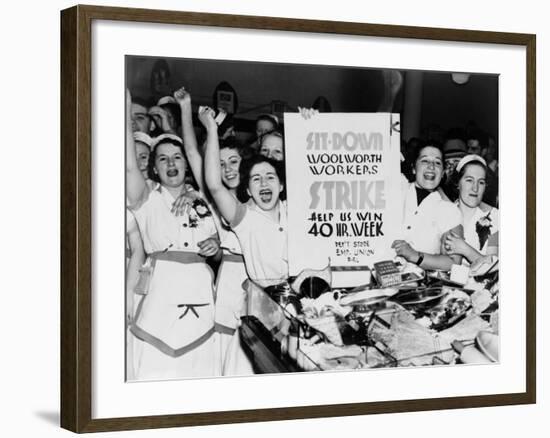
[344, 199]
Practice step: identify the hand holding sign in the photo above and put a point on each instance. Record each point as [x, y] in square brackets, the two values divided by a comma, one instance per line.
[307, 113]
[345, 199]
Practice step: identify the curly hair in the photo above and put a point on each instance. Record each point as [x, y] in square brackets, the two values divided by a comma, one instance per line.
[233, 143]
[246, 168]
[413, 155]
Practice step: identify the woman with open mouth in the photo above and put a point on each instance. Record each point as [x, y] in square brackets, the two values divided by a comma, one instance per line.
[480, 221]
[230, 303]
[174, 322]
[261, 223]
[428, 215]
[230, 295]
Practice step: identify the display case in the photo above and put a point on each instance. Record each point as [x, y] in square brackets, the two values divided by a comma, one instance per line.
[268, 328]
[286, 330]
[278, 336]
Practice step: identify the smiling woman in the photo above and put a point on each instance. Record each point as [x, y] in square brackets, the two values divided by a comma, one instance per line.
[173, 325]
[428, 215]
[260, 223]
[230, 160]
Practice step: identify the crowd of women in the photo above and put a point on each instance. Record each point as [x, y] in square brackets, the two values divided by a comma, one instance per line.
[205, 216]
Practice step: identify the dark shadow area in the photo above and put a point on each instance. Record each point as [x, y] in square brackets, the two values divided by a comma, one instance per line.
[49, 417]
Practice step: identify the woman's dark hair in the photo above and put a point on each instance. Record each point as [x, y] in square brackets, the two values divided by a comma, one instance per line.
[175, 111]
[322, 105]
[476, 133]
[225, 125]
[456, 133]
[233, 143]
[421, 144]
[408, 149]
[153, 155]
[269, 118]
[246, 168]
[417, 145]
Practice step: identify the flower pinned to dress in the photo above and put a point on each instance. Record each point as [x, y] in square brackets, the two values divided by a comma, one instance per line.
[199, 210]
[483, 229]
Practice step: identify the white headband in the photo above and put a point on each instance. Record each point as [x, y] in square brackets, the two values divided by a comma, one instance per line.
[272, 117]
[468, 159]
[162, 137]
[166, 99]
[143, 138]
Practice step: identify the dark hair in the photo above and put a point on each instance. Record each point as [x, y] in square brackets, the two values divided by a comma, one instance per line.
[226, 124]
[246, 168]
[421, 144]
[479, 135]
[233, 143]
[322, 105]
[268, 118]
[141, 101]
[455, 133]
[175, 110]
[153, 155]
[409, 151]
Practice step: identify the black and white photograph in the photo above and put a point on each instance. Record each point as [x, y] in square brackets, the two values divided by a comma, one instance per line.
[275, 219]
[288, 218]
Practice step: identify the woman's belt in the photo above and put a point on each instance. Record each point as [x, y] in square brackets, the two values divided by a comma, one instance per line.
[177, 256]
[230, 257]
[146, 271]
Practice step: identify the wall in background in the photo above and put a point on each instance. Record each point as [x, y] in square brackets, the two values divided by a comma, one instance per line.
[347, 89]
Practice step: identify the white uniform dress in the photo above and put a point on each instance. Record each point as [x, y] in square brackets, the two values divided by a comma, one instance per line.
[264, 247]
[175, 319]
[263, 243]
[230, 303]
[424, 224]
[488, 218]
[131, 299]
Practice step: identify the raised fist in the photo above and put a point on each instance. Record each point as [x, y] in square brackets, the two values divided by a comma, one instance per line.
[206, 116]
[182, 96]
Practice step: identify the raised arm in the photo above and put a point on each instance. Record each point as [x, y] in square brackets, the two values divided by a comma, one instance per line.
[160, 117]
[227, 204]
[190, 144]
[136, 186]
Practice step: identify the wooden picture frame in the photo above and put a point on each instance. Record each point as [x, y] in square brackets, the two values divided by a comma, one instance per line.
[76, 217]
